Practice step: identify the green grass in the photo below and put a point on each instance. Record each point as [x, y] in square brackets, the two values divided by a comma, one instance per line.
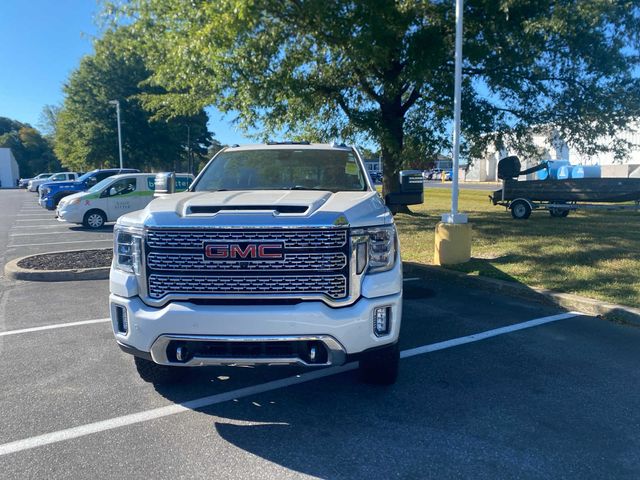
[590, 253]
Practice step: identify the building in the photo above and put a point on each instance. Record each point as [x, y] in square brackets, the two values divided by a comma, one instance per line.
[9, 171]
[373, 165]
[552, 147]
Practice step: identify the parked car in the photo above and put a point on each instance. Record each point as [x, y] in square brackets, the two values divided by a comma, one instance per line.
[376, 177]
[24, 182]
[34, 184]
[112, 197]
[436, 174]
[52, 192]
[432, 174]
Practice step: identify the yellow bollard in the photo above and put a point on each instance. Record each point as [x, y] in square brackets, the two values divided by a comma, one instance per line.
[452, 243]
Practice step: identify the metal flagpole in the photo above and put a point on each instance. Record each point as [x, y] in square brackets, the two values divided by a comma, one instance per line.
[454, 216]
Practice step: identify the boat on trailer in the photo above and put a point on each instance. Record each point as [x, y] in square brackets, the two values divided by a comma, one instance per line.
[560, 196]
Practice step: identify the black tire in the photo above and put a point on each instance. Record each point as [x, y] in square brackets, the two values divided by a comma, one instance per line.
[520, 210]
[94, 219]
[380, 367]
[151, 372]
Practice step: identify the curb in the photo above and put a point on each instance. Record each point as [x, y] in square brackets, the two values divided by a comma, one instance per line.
[14, 272]
[608, 311]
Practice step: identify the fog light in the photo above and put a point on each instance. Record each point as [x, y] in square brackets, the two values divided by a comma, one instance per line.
[381, 321]
[122, 322]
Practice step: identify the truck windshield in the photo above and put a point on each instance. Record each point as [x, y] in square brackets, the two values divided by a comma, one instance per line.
[283, 169]
[84, 177]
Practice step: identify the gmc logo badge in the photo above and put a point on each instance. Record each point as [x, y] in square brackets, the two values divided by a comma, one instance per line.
[244, 251]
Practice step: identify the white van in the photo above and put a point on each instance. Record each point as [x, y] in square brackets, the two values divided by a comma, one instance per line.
[112, 197]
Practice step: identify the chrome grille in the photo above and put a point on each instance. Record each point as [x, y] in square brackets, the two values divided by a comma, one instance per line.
[314, 264]
[333, 286]
[319, 238]
[294, 261]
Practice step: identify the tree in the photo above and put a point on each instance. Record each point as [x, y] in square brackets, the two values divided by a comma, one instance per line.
[48, 119]
[31, 150]
[383, 69]
[86, 127]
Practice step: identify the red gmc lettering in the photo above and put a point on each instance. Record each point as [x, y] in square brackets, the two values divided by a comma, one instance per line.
[236, 251]
[216, 251]
[262, 251]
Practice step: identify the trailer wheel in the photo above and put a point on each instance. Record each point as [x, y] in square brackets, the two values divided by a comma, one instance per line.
[559, 212]
[520, 210]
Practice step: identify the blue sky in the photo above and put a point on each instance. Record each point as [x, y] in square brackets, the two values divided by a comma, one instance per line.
[41, 43]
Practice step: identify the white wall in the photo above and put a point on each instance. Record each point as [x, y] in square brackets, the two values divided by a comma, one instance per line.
[9, 171]
[553, 147]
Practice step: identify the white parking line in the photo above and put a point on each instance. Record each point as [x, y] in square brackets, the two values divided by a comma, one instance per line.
[60, 243]
[36, 219]
[48, 215]
[145, 416]
[58, 233]
[488, 334]
[53, 326]
[37, 227]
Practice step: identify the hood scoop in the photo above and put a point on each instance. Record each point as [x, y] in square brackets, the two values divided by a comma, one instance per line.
[279, 209]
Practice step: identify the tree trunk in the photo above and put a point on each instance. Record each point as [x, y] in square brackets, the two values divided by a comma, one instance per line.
[391, 145]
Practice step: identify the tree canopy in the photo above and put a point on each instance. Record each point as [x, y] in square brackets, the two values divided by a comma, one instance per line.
[31, 150]
[86, 127]
[383, 69]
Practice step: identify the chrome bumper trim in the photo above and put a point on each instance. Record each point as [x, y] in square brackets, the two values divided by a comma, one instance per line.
[336, 352]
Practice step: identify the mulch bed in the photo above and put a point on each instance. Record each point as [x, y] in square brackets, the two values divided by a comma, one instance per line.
[68, 260]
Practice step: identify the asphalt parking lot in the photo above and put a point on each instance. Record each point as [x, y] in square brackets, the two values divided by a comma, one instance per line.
[490, 387]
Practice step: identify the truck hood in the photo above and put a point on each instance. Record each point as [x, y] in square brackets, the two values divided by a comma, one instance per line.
[246, 208]
[66, 184]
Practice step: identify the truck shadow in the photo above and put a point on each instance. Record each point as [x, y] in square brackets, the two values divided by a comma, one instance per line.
[330, 428]
[458, 413]
[103, 229]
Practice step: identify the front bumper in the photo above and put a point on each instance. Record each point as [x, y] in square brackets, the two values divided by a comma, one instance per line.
[347, 330]
[46, 202]
[71, 215]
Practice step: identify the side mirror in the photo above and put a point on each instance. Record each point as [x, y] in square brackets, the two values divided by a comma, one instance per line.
[92, 181]
[113, 191]
[165, 183]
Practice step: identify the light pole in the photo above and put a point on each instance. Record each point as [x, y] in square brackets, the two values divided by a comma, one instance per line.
[453, 233]
[454, 216]
[117, 104]
[189, 169]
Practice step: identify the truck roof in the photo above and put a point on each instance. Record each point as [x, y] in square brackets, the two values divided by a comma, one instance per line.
[288, 146]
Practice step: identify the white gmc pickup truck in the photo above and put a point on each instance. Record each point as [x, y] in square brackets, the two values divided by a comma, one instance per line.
[278, 254]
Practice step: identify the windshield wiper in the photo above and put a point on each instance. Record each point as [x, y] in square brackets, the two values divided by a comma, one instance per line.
[300, 187]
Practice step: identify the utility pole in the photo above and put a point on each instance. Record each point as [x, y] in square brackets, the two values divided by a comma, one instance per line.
[189, 166]
[117, 104]
[453, 233]
[455, 217]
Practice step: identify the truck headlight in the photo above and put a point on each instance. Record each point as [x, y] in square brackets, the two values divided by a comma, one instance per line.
[375, 248]
[127, 249]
